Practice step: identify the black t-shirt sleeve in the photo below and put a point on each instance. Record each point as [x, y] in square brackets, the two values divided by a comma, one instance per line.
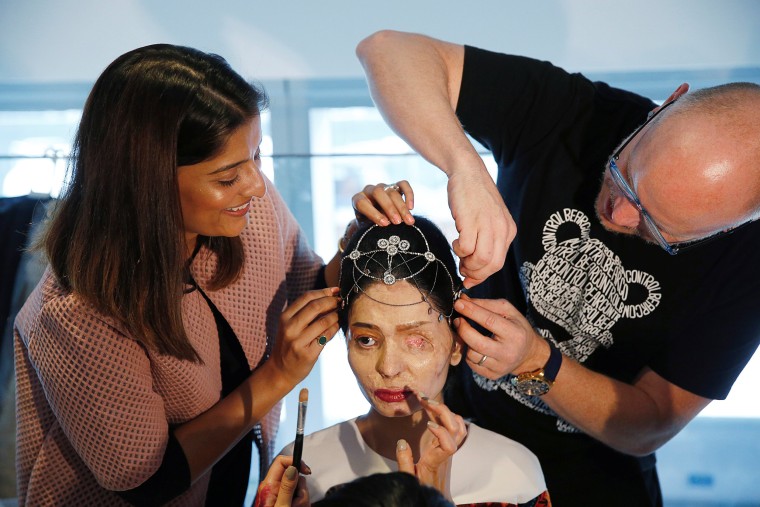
[170, 480]
[511, 103]
[516, 106]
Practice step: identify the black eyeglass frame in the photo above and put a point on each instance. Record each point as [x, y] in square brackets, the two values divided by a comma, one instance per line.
[633, 198]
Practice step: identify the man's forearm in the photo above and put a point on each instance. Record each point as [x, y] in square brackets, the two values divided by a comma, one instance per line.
[414, 81]
[634, 419]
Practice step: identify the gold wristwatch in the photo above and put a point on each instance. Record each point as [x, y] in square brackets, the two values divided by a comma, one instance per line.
[538, 382]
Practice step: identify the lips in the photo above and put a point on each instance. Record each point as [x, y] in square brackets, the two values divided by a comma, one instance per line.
[392, 395]
[239, 210]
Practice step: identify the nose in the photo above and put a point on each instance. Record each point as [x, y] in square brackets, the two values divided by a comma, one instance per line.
[625, 213]
[390, 362]
[255, 182]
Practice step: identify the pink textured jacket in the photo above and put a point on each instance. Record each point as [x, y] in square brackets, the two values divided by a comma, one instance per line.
[93, 406]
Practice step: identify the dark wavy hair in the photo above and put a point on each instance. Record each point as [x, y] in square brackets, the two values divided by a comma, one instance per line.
[432, 281]
[116, 237]
[392, 489]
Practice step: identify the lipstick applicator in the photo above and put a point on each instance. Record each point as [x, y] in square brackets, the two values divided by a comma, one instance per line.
[303, 401]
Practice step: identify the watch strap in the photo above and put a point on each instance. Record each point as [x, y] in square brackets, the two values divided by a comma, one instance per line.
[551, 368]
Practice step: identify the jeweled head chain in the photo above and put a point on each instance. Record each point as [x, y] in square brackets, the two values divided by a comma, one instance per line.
[392, 253]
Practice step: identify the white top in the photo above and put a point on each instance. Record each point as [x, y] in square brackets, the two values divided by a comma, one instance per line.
[488, 467]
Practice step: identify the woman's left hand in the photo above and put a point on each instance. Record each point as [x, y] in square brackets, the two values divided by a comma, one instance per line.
[306, 325]
[446, 432]
[385, 204]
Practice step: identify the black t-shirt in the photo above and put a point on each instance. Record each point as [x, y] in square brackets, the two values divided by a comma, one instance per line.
[613, 302]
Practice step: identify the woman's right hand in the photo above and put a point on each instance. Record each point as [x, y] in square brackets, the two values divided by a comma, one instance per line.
[379, 204]
[384, 204]
[310, 317]
[446, 432]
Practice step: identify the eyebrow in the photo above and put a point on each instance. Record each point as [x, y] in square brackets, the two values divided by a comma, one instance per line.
[401, 327]
[229, 166]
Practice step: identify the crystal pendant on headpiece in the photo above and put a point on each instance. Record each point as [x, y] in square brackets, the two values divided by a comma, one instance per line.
[392, 246]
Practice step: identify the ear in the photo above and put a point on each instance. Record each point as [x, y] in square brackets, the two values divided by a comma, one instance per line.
[681, 90]
[456, 350]
[624, 213]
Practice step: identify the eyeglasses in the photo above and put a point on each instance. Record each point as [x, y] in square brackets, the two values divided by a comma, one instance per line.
[630, 194]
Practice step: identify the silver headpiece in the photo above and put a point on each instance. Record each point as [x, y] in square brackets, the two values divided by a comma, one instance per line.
[396, 262]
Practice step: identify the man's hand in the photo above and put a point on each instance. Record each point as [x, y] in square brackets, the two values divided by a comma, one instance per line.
[513, 345]
[486, 228]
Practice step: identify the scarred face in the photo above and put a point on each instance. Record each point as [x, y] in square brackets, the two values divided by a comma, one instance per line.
[393, 350]
[216, 194]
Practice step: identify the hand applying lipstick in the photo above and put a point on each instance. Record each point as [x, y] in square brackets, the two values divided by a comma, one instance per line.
[445, 433]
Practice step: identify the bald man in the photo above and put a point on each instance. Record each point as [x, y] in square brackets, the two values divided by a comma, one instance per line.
[620, 239]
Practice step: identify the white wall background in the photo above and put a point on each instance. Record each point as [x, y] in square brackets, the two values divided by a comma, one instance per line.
[73, 40]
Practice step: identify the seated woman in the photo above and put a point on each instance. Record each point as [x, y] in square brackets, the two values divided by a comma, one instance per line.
[398, 286]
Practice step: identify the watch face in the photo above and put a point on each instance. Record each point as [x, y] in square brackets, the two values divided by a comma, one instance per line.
[531, 386]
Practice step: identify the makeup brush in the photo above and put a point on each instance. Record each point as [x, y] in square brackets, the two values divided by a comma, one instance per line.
[303, 401]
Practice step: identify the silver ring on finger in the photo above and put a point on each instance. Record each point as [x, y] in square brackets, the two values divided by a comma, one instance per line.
[392, 187]
[482, 360]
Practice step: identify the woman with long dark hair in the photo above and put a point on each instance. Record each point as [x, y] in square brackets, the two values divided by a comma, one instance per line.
[181, 302]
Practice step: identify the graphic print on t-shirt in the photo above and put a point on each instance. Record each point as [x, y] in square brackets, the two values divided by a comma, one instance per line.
[583, 287]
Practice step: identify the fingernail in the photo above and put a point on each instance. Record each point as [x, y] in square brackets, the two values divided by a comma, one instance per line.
[457, 321]
[401, 445]
[396, 219]
[458, 306]
[422, 395]
[308, 468]
[432, 424]
[290, 472]
[384, 221]
[432, 402]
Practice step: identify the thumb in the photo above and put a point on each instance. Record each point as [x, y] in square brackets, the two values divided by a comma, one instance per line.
[404, 457]
[287, 487]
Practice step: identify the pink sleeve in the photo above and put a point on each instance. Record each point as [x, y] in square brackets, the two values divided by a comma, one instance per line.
[98, 383]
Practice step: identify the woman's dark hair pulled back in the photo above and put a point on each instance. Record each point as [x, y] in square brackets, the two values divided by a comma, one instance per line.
[431, 281]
